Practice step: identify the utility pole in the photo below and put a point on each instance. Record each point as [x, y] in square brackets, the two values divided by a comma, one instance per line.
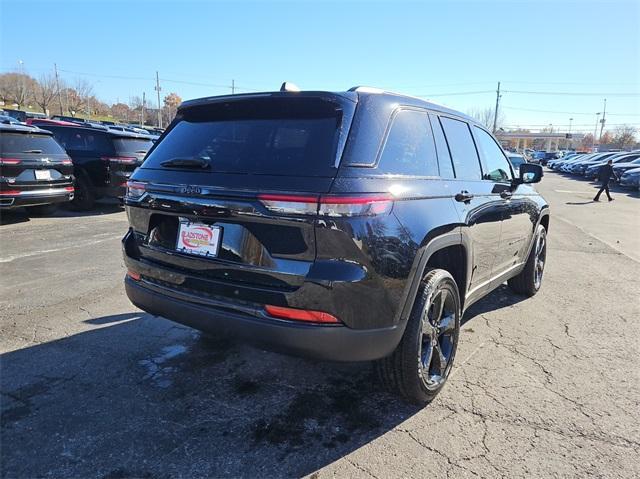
[595, 132]
[495, 115]
[233, 87]
[569, 142]
[159, 109]
[144, 99]
[55, 69]
[602, 122]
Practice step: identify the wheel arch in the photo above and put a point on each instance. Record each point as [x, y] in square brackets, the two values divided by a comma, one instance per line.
[447, 251]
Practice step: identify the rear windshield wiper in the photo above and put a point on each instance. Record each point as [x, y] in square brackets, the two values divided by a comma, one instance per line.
[32, 151]
[187, 162]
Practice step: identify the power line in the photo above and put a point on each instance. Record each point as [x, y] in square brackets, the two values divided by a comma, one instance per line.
[566, 112]
[567, 93]
[431, 95]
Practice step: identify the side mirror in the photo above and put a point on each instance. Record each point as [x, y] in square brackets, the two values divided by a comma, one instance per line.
[530, 173]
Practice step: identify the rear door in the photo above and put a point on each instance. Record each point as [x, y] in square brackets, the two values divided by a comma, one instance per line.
[210, 169]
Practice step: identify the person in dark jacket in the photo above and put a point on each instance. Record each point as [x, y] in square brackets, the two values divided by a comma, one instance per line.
[604, 175]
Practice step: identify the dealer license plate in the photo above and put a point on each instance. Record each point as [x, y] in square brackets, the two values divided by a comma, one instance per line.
[198, 238]
[43, 174]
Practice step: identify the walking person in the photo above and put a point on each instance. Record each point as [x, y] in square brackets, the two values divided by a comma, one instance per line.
[604, 175]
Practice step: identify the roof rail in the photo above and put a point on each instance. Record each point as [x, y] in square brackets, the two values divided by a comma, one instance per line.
[366, 89]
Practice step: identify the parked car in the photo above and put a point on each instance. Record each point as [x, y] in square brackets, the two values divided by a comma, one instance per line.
[19, 115]
[347, 226]
[9, 120]
[563, 165]
[71, 119]
[621, 167]
[593, 169]
[631, 178]
[516, 160]
[35, 171]
[553, 163]
[103, 160]
[580, 166]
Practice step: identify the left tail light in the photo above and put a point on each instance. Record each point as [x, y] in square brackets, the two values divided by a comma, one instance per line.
[9, 161]
[135, 189]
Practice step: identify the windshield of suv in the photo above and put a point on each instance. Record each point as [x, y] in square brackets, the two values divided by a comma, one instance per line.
[11, 143]
[269, 136]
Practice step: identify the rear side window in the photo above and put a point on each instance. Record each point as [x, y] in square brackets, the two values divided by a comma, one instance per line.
[273, 136]
[409, 148]
[83, 140]
[131, 145]
[444, 157]
[11, 143]
[462, 148]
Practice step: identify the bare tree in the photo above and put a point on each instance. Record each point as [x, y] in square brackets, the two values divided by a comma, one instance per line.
[45, 92]
[17, 88]
[78, 96]
[485, 116]
[624, 136]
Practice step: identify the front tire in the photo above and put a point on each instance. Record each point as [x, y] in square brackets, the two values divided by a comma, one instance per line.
[419, 367]
[529, 280]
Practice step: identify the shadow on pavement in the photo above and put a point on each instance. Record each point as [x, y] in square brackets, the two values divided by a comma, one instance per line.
[501, 297]
[144, 397]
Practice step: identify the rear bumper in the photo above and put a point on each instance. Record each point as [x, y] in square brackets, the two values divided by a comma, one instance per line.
[36, 197]
[335, 343]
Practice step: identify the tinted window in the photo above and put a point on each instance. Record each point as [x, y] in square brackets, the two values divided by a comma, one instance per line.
[444, 158]
[132, 145]
[82, 140]
[462, 149]
[269, 137]
[498, 168]
[409, 149]
[29, 143]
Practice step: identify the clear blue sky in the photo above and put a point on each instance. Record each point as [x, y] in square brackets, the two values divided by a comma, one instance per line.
[416, 48]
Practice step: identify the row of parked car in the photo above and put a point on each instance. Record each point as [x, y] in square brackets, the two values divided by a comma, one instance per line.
[626, 166]
[46, 162]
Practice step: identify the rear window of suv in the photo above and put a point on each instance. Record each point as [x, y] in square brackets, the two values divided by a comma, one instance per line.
[132, 145]
[11, 143]
[269, 136]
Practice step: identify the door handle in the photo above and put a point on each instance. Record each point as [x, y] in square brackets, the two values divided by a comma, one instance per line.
[506, 194]
[464, 196]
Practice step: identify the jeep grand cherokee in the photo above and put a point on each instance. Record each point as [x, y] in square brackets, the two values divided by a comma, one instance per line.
[347, 226]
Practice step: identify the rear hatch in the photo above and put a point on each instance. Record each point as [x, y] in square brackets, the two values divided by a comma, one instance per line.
[130, 151]
[238, 167]
[31, 160]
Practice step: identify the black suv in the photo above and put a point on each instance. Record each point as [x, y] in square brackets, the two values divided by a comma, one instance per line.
[343, 226]
[103, 160]
[35, 172]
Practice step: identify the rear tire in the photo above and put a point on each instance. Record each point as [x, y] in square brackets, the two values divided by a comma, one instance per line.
[419, 367]
[529, 280]
[42, 210]
[84, 197]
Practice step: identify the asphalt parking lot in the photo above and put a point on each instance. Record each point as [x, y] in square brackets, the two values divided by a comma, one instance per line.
[92, 387]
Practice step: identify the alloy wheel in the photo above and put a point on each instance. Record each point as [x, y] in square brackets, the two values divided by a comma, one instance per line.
[438, 336]
[539, 258]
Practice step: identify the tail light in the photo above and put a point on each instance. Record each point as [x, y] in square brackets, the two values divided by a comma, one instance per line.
[9, 161]
[67, 162]
[122, 160]
[133, 275]
[69, 188]
[135, 189]
[9, 192]
[328, 205]
[295, 314]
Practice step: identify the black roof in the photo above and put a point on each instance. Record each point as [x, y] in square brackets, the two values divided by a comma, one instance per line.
[21, 128]
[103, 129]
[354, 94]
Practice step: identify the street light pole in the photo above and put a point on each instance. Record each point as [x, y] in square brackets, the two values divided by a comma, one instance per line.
[569, 142]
